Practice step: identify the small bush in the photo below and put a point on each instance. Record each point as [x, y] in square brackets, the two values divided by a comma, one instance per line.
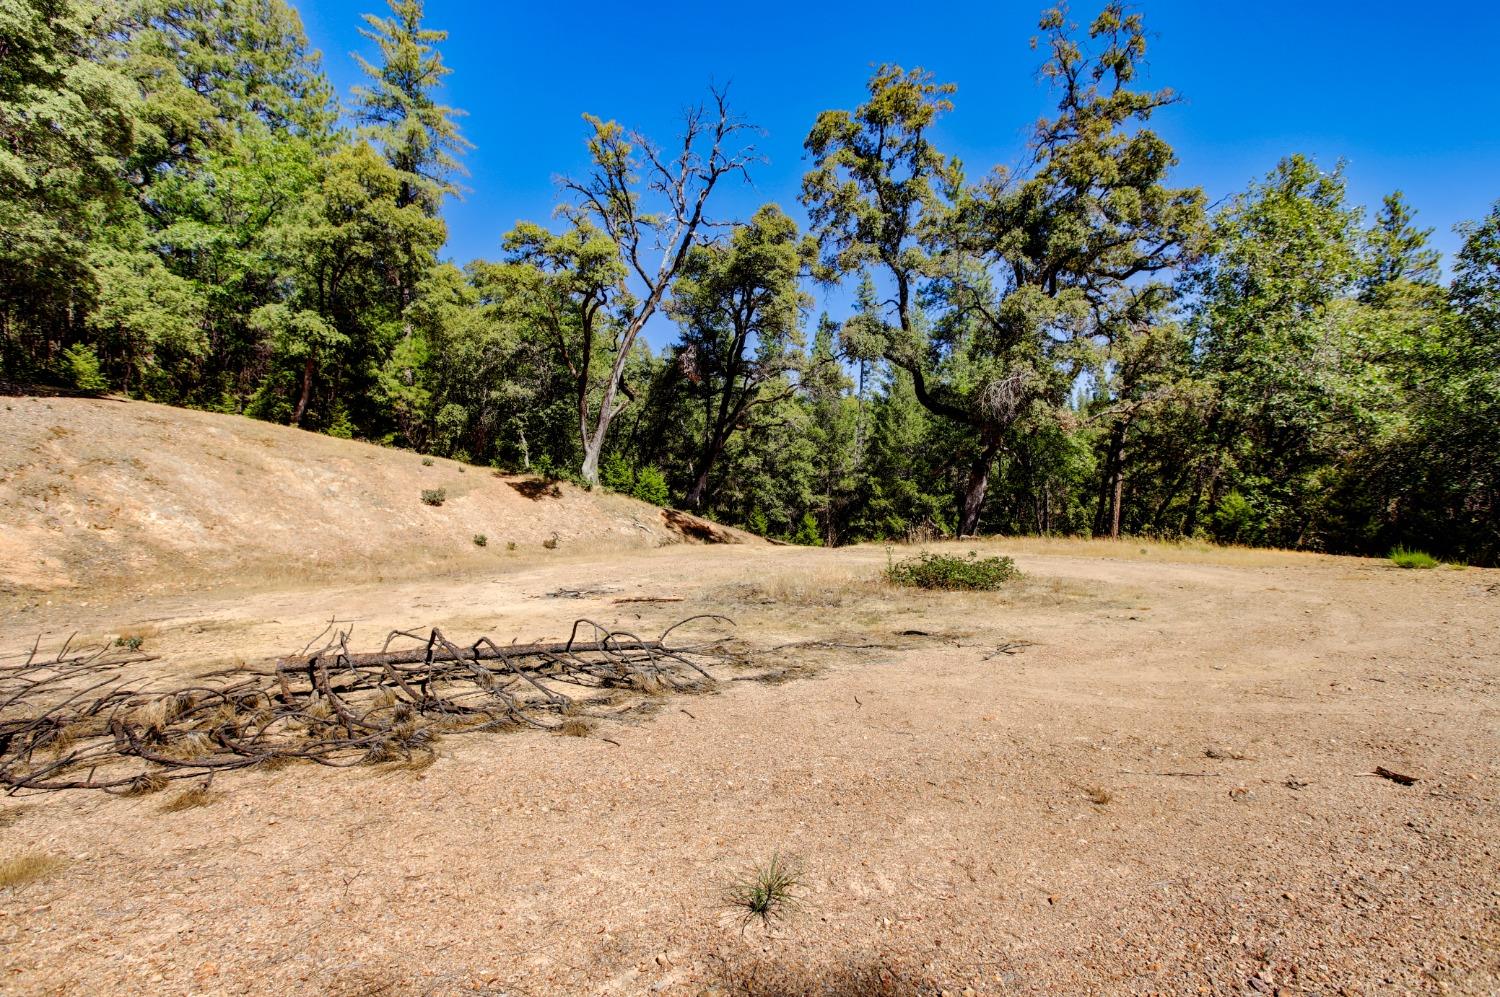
[434, 496]
[1403, 558]
[942, 571]
[616, 474]
[83, 369]
[767, 893]
[426, 461]
[131, 642]
[807, 534]
[651, 486]
[480, 540]
[341, 428]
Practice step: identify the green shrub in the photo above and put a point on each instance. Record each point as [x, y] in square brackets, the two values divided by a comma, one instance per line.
[757, 523]
[426, 461]
[807, 534]
[616, 474]
[651, 486]
[83, 370]
[341, 428]
[480, 540]
[1403, 558]
[434, 496]
[942, 571]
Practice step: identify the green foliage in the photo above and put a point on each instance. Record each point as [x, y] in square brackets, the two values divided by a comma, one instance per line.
[616, 474]
[651, 486]
[807, 534]
[1065, 347]
[766, 893]
[480, 540]
[82, 365]
[1403, 558]
[434, 496]
[341, 428]
[943, 571]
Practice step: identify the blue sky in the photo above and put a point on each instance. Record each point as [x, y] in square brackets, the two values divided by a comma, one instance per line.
[1405, 93]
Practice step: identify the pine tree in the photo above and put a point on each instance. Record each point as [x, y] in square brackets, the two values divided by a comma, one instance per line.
[419, 136]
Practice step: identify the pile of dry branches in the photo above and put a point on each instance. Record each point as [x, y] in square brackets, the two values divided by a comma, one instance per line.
[68, 720]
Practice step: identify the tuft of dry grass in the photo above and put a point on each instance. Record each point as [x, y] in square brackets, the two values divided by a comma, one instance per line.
[1098, 795]
[20, 870]
[189, 799]
[817, 588]
[576, 727]
[147, 783]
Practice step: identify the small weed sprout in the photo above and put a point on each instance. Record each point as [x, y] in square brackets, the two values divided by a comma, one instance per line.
[132, 642]
[943, 571]
[1403, 558]
[510, 545]
[767, 893]
[434, 496]
[480, 540]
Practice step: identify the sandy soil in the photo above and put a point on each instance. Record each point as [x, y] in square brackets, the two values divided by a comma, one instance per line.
[1168, 790]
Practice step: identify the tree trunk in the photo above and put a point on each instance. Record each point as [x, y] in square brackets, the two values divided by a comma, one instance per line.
[1117, 466]
[1116, 502]
[694, 497]
[974, 490]
[593, 446]
[307, 378]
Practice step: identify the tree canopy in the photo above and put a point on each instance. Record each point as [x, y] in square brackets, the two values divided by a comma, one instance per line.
[1076, 343]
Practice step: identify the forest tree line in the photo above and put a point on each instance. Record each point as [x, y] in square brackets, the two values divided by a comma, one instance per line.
[190, 214]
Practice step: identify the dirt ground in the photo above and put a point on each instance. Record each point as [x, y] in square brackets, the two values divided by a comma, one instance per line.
[1164, 787]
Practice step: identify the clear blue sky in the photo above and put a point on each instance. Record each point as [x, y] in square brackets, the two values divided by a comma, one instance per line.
[1406, 93]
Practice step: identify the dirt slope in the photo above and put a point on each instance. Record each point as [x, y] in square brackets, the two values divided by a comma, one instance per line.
[109, 492]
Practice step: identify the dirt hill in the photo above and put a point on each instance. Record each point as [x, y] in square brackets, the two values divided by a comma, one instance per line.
[97, 491]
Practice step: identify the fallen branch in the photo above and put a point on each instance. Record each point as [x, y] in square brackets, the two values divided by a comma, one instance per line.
[69, 721]
[1396, 777]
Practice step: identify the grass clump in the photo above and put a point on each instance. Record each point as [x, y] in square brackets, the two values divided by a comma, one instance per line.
[23, 869]
[480, 540]
[767, 893]
[188, 799]
[944, 571]
[575, 727]
[434, 496]
[426, 461]
[1403, 558]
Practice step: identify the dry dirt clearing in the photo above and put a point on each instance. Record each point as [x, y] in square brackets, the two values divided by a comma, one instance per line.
[1165, 788]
